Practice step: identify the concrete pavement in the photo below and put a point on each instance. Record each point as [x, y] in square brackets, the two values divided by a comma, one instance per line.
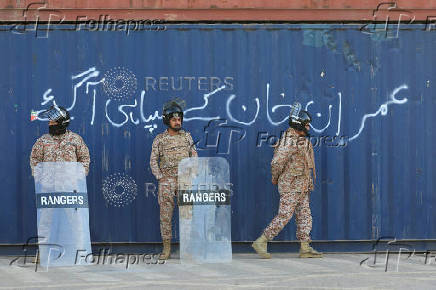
[283, 271]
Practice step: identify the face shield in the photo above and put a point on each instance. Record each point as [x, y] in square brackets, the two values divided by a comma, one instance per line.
[59, 115]
[56, 114]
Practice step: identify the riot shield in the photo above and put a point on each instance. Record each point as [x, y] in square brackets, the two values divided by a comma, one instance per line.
[204, 210]
[62, 214]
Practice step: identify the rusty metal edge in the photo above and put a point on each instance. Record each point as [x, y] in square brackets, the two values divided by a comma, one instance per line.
[14, 14]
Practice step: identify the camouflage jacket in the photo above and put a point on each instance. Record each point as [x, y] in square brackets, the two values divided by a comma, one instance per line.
[68, 147]
[292, 162]
[167, 151]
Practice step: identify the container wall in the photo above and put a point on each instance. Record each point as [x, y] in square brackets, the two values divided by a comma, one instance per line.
[370, 94]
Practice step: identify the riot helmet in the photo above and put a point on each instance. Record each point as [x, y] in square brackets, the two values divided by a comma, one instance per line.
[298, 119]
[59, 115]
[171, 109]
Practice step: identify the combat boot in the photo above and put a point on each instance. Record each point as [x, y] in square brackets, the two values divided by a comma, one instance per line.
[260, 246]
[166, 251]
[307, 251]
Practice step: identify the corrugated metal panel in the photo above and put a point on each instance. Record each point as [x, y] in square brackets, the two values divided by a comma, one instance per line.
[221, 10]
[377, 91]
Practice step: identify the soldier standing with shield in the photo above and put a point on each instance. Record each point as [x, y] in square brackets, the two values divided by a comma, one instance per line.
[291, 169]
[168, 149]
[59, 155]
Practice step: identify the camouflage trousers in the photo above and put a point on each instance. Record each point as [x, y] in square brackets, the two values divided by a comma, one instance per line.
[166, 199]
[291, 202]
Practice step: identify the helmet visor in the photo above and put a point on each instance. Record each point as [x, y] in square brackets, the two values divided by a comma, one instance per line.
[304, 117]
[53, 114]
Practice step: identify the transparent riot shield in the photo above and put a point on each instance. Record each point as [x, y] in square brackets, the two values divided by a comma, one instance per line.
[62, 214]
[204, 210]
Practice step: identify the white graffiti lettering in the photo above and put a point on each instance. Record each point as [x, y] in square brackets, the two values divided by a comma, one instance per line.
[148, 121]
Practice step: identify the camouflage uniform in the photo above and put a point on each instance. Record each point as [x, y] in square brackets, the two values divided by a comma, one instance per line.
[291, 168]
[68, 147]
[166, 153]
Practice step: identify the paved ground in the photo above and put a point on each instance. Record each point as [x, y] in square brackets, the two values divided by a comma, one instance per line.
[287, 271]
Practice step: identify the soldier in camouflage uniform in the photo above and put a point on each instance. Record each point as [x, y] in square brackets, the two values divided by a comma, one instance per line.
[291, 169]
[168, 149]
[60, 145]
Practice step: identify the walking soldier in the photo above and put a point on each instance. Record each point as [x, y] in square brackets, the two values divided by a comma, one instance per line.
[291, 169]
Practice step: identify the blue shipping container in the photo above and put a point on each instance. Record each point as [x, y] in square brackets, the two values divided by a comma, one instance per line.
[369, 92]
